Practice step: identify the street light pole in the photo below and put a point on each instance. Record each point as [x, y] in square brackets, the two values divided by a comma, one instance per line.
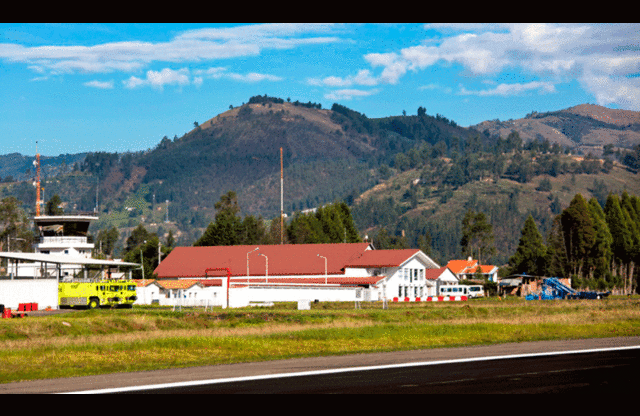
[266, 267]
[325, 268]
[257, 248]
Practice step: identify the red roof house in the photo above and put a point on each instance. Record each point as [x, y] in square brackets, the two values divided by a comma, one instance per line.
[311, 266]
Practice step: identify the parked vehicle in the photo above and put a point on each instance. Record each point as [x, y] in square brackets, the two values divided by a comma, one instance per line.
[103, 293]
[552, 288]
[476, 291]
[454, 290]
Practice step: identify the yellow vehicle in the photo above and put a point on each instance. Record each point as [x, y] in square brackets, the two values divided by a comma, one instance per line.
[102, 293]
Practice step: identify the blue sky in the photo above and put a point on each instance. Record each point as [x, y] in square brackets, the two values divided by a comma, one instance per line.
[122, 87]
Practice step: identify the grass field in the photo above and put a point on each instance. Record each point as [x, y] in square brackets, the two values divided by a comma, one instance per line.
[145, 338]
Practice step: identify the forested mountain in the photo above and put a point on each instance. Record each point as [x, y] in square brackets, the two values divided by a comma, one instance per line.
[587, 128]
[409, 180]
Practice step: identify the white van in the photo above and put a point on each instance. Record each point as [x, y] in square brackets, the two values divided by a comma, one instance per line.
[470, 291]
[476, 291]
[454, 290]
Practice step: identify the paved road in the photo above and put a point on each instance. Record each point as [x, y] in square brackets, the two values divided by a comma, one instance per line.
[609, 369]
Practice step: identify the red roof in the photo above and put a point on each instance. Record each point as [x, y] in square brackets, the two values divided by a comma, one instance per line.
[372, 280]
[382, 258]
[434, 274]
[290, 259]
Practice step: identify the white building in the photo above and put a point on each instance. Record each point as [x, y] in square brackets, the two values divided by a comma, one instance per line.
[59, 235]
[323, 272]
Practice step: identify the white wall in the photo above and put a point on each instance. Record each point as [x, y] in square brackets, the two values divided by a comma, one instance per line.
[416, 286]
[296, 293]
[146, 295]
[44, 292]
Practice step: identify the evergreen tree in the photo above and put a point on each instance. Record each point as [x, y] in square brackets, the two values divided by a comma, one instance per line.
[622, 242]
[226, 230]
[330, 224]
[600, 256]
[146, 253]
[138, 236]
[53, 206]
[530, 255]
[633, 223]
[579, 233]
[557, 262]
[106, 240]
[477, 236]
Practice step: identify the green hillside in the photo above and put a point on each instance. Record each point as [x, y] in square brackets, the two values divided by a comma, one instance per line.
[412, 174]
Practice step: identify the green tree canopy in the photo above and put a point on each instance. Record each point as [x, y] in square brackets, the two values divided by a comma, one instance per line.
[477, 236]
[530, 255]
[53, 206]
[332, 223]
[579, 233]
[229, 229]
[600, 255]
[106, 240]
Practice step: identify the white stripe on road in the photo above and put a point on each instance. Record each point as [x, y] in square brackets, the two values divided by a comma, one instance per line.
[339, 370]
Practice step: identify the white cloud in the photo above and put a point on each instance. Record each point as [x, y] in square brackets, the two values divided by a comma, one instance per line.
[183, 77]
[363, 77]
[600, 56]
[506, 90]
[105, 85]
[348, 94]
[158, 79]
[190, 46]
[253, 77]
[221, 72]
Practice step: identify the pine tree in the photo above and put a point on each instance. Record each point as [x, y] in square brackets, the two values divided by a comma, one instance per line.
[621, 239]
[579, 234]
[600, 256]
[477, 235]
[557, 261]
[530, 255]
[226, 230]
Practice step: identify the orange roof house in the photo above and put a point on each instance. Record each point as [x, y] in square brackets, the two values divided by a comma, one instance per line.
[467, 269]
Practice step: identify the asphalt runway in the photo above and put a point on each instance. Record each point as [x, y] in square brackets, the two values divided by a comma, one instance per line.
[492, 368]
[600, 373]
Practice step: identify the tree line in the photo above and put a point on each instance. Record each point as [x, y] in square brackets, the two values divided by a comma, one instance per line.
[597, 247]
[332, 223]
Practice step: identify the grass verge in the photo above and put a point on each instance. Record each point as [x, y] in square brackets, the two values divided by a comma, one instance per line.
[106, 341]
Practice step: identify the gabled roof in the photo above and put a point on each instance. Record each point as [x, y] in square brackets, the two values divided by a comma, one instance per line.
[178, 284]
[459, 266]
[435, 274]
[383, 258]
[144, 282]
[287, 260]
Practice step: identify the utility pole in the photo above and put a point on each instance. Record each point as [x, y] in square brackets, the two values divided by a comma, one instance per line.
[281, 200]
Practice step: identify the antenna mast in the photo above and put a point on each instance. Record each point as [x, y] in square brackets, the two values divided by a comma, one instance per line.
[38, 200]
[281, 200]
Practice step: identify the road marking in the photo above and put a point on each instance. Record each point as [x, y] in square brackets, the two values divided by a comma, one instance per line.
[340, 370]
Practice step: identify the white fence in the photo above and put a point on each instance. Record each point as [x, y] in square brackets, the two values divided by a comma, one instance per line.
[44, 292]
